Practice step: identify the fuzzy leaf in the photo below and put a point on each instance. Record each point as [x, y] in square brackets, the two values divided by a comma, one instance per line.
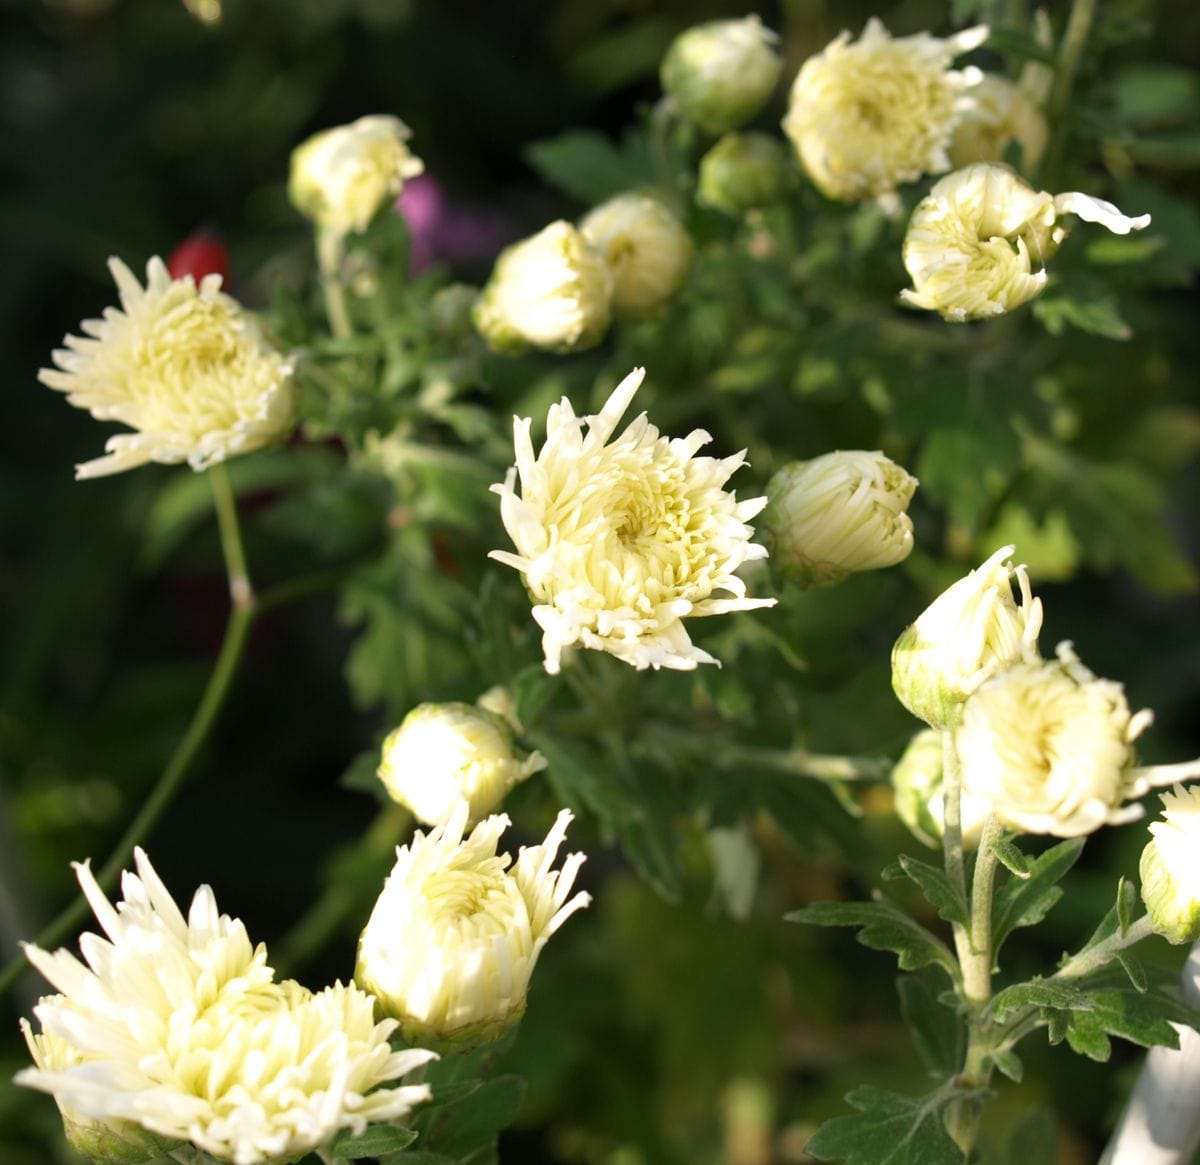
[476, 1120]
[1011, 858]
[373, 1141]
[933, 884]
[1039, 993]
[1132, 967]
[1026, 902]
[888, 1129]
[935, 1028]
[1141, 1017]
[1009, 1063]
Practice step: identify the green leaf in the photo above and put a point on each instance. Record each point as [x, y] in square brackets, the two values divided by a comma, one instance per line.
[1132, 967]
[1096, 314]
[1016, 42]
[374, 1141]
[934, 885]
[1009, 1063]
[935, 1028]
[968, 469]
[1140, 1016]
[1126, 904]
[884, 928]
[889, 1129]
[1038, 993]
[1026, 902]
[580, 781]
[590, 167]
[474, 1122]
[1011, 858]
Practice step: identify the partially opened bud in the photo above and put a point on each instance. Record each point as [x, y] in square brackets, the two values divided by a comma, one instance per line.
[646, 248]
[977, 244]
[743, 171]
[552, 290]
[999, 113]
[720, 74]
[967, 634]
[919, 788]
[443, 754]
[342, 177]
[1170, 867]
[453, 939]
[836, 514]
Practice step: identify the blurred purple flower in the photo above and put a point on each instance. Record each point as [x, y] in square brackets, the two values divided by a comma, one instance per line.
[440, 230]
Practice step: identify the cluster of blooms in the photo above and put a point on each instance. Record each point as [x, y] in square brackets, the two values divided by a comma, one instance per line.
[1044, 745]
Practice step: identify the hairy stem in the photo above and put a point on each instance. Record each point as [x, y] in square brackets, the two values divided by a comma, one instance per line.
[331, 249]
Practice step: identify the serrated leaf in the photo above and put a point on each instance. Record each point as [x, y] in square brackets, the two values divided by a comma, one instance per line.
[884, 927]
[1096, 314]
[474, 1122]
[936, 1030]
[1026, 902]
[1134, 969]
[1011, 858]
[1141, 1017]
[1038, 993]
[1009, 1064]
[936, 887]
[889, 1129]
[374, 1141]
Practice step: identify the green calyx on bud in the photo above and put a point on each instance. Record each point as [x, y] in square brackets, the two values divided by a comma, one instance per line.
[1170, 867]
[720, 74]
[742, 172]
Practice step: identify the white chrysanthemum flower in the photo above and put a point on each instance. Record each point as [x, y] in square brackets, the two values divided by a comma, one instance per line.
[452, 942]
[869, 116]
[552, 290]
[185, 366]
[342, 177]
[970, 632]
[999, 112]
[720, 74]
[977, 244]
[1170, 867]
[646, 248]
[1050, 748]
[176, 1025]
[842, 512]
[620, 541]
[446, 753]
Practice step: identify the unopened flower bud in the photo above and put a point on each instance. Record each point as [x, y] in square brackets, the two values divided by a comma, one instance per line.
[966, 635]
[977, 244]
[446, 753]
[1170, 867]
[919, 788]
[342, 177]
[453, 939]
[842, 512]
[450, 310]
[720, 74]
[999, 113]
[743, 171]
[646, 248]
[552, 290]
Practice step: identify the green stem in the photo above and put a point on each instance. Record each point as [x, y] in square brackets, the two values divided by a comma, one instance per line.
[952, 839]
[331, 249]
[977, 971]
[1070, 54]
[241, 617]
[1091, 960]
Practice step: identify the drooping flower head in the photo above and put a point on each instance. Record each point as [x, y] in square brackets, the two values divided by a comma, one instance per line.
[342, 177]
[1170, 867]
[174, 1025]
[452, 942]
[182, 364]
[446, 753]
[977, 244]
[552, 290]
[971, 631]
[842, 512]
[621, 539]
[869, 116]
[646, 248]
[1050, 747]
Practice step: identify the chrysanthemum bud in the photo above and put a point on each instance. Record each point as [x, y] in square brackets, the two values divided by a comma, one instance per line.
[450, 310]
[453, 939]
[1050, 747]
[919, 789]
[552, 290]
[967, 634]
[1170, 867]
[836, 514]
[720, 74]
[646, 249]
[977, 244]
[999, 113]
[743, 171]
[342, 177]
[446, 753]
[868, 116]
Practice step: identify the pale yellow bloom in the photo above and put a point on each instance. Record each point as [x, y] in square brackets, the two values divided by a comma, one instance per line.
[342, 177]
[869, 116]
[620, 541]
[446, 753]
[452, 942]
[175, 1024]
[842, 512]
[977, 244]
[185, 366]
[646, 249]
[968, 634]
[1050, 748]
[720, 74]
[999, 112]
[1170, 867]
[552, 290]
